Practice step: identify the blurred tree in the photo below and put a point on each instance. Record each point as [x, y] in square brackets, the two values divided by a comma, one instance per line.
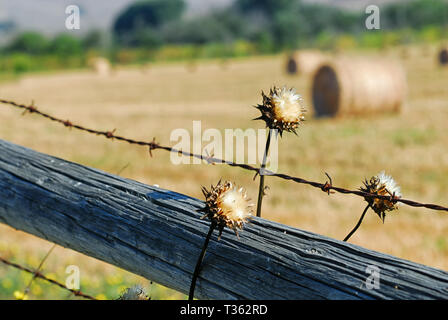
[268, 7]
[293, 23]
[219, 26]
[319, 18]
[93, 39]
[132, 25]
[29, 42]
[288, 29]
[415, 14]
[264, 42]
[147, 38]
[65, 45]
[196, 31]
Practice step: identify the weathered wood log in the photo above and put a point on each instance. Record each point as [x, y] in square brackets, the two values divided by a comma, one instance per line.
[157, 234]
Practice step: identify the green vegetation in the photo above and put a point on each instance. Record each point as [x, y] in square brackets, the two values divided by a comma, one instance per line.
[140, 24]
[110, 285]
[412, 136]
[151, 30]
[31, 51]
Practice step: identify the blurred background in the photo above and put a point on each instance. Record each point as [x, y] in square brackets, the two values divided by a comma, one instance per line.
[377, 99]
[34, 35]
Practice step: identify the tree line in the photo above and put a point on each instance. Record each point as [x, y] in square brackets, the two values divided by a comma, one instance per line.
[160, 29]
[272, 24]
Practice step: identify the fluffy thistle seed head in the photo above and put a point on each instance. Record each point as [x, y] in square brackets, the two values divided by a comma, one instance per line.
[136, 292]
[282, 109]
[227, 205]
[382, 185]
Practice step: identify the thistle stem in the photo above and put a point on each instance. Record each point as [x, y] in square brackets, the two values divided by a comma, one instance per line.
[199, 262]
[263, 165]
[358, 224]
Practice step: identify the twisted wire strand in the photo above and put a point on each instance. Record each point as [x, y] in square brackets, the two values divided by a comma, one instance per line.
[153, 145]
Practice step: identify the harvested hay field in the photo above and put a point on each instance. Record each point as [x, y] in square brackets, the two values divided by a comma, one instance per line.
[410, 146]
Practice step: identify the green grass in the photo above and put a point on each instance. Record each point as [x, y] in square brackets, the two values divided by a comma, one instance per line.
[404, 137]
[13, 282]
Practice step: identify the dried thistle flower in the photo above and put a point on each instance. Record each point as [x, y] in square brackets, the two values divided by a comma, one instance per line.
[136, 292]
[382, 185]
[282, 109]
[227, 205]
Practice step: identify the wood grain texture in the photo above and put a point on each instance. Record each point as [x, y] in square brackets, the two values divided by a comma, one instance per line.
[157, 234]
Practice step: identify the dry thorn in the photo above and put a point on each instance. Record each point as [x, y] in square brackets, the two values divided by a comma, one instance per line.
[264, 190]
[152, 146]
[256, 175]
[209, 158]
[110, 134]
[67, 123]
[328, 185]
[31, 108]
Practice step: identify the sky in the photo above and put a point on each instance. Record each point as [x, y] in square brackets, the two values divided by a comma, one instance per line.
[48, 16]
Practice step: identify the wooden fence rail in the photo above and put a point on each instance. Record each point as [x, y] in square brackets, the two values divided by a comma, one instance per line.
[157, 234]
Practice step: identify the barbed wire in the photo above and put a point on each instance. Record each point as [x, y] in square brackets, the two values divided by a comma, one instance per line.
[38, 274]
[326, 187]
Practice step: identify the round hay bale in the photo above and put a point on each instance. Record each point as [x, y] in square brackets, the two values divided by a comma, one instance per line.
[305, 61]
[358, 86]
[100, 66]
[291, 65]
[443, 57]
